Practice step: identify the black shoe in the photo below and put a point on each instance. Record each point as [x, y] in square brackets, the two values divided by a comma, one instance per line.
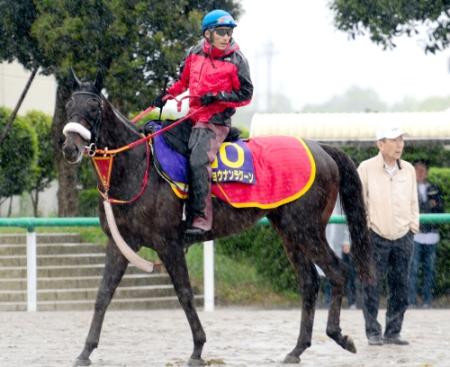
[194, 232]
[375, 340]
[395, 340]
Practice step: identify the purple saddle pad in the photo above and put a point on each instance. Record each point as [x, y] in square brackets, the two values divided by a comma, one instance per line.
[234, 161]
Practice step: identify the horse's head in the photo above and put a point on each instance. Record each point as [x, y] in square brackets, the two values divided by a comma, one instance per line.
[84, 115]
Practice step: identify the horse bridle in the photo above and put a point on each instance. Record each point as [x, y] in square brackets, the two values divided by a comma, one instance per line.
[105, 155]
[94, 125]
[108, 154]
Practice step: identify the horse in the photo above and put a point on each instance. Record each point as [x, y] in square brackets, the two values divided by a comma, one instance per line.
[155, 220]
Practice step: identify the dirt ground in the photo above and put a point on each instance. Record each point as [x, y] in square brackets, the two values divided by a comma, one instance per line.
[236, 337]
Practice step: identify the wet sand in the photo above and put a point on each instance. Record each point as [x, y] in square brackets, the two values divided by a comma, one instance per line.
[235, 337]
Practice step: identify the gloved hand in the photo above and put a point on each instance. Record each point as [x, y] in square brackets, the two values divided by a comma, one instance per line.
[208, 98]
[159, 101]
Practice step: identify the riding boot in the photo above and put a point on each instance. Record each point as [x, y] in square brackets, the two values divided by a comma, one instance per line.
[203, 223]
[204, 143]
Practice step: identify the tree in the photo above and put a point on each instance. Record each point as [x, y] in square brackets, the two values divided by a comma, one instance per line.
[13, 114]
[45, 171]
[16, 19]
[428, 104]
[385, 19]
[17, 157]
[355, 99]
[134, 45]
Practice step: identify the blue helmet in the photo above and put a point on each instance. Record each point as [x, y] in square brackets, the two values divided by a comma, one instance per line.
[217, 18]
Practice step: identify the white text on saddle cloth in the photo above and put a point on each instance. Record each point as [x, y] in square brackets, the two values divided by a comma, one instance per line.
[233, 162]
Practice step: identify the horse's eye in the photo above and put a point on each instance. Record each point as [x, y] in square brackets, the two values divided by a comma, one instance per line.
[93, 108]
[93, 105]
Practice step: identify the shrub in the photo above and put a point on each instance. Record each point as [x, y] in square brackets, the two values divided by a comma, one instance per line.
[262, 246]
[442, 280]
[45, 170]
[441, 177]
[18, 154]
[88, 205]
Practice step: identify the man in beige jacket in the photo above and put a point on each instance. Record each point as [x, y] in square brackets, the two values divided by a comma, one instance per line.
[390, 194]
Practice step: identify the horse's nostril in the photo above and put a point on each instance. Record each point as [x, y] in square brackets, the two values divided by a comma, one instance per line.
[71, 153]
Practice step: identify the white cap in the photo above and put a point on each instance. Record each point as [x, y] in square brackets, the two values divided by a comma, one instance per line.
[389, 133]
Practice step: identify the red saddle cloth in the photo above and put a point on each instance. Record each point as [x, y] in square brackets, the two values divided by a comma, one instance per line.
[284, 169]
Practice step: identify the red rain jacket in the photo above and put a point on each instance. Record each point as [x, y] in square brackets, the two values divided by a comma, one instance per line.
[226, 74]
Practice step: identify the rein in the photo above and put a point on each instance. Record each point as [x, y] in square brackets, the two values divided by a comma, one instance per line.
[102, 159]
[92, 149]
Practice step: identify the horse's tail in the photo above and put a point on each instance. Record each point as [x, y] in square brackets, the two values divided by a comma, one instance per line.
[350, 190]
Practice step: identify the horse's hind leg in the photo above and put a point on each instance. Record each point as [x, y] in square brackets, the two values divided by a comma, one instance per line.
[115, 267]
[334, 269]
[309, 285]
[175, 263]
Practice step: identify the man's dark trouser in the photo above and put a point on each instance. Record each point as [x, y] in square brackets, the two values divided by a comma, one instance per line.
[392, 258]
[423, 256]
[204, 143]
[350, 284]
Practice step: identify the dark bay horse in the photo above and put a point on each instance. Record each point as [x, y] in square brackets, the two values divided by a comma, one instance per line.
[155, 220]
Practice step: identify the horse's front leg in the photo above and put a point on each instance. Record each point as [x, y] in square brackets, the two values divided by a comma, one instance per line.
[175, 263]
[115, 266]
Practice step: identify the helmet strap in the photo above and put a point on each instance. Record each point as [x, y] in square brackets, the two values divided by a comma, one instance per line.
[211, 36]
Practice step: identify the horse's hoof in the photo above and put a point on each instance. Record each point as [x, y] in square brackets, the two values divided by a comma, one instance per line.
[82, 362]
[291, 359]
[196, 362]
[349, 345]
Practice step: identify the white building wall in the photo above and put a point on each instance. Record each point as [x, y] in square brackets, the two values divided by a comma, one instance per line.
[23, 207]
[41, 96]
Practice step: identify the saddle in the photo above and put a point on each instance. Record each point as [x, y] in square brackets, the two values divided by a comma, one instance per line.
[262, 172]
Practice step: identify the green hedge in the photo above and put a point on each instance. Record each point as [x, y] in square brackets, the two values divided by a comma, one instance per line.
[441, 177]
[88, 203]
[435, 154]
[264, 248]
[18, 153]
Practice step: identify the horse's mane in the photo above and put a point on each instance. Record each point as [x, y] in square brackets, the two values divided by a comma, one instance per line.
[124, 120]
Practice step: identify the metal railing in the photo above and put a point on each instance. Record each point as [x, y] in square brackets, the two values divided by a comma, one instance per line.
[30, 223]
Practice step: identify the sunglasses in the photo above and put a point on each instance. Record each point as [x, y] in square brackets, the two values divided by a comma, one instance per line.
[224, 31]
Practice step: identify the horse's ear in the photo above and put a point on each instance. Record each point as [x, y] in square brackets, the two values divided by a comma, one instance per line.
[75, 78]
[98, 84]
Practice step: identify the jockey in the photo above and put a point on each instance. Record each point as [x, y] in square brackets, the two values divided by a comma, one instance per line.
[217, 75]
